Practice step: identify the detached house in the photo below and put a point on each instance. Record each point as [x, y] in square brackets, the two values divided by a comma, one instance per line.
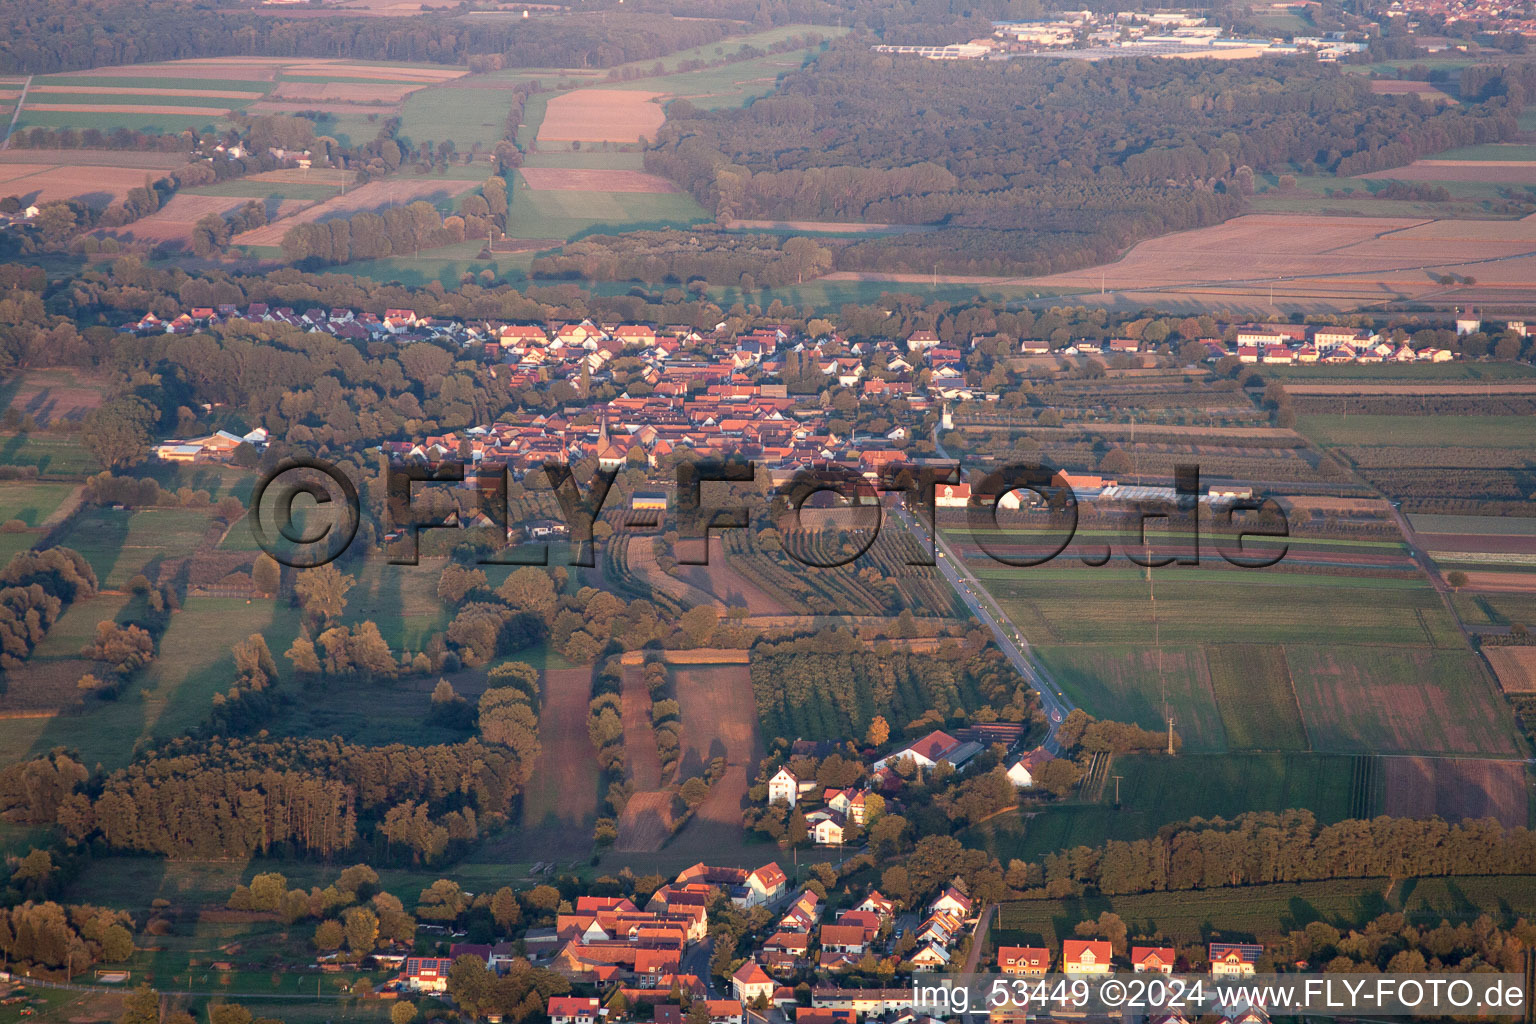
[843, 938]
[783, 788]
[751, 982]
[877, 904]
[572, 1010]
[764, 885]
[952, 901]
[1087, 956]
[426, 974]
[930, 957]
[1022, 772]
[1152, 959]
[1234, 959]
[1023, 959]
[925, 753]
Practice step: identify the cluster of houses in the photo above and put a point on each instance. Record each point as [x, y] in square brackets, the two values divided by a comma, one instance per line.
[610, 942]
[1086, 957]
[611, 946]
[672, 359]
[827, 825]
[715, 394]
[848, 939]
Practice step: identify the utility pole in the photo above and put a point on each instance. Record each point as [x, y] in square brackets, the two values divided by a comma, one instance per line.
[1117, 790]
[1170, 735]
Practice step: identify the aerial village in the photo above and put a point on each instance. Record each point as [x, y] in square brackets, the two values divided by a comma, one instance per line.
[628, 962]
[727, 393]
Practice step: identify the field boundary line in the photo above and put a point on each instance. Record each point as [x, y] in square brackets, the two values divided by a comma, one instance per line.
[1290, 682]
[16, 113]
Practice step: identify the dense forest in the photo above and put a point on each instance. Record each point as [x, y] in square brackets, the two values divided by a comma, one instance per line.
[1039, 165]
[234, 798]
[1291, 846]
[37, 36]
[832, 685]
[35, 588]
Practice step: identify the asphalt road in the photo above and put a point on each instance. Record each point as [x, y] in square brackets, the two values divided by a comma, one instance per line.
[1013, 644]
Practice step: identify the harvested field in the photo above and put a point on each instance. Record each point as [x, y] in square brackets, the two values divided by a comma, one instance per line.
[1503, 172]
[1245, 247]
[592, 180]
[387, 72]
[1477, 543]
[1338, 262]
[299, 176]
[49, 396]
[1489, 389]
[97, 186]
[696, 656]
[1412, 701]
[11, 172]
[271, 107]
[640, 754]
[346, 92]
[248, 69]
[1515, 667]
[93, 158]
[115, 90]
[1392, 87]
[1306, 503]
[1502, 582]
[174, 221]
[563, 788]
[646, 822]
[1422, 787]
[121, 108]
[719, 720]
[729, 585]
[601, 115]
[373, 196]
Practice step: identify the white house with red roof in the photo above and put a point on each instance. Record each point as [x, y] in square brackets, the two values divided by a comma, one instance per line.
[875, 903]
[426, 974]
[847, 802]
[572, 1010]
[925, 753]
[751, 982]
[1023, 959]
[931, 957]
[951, 901]
[1235, 959]
[1087, 956]
[1022, 772]
[764, 885]
[1152, 959]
